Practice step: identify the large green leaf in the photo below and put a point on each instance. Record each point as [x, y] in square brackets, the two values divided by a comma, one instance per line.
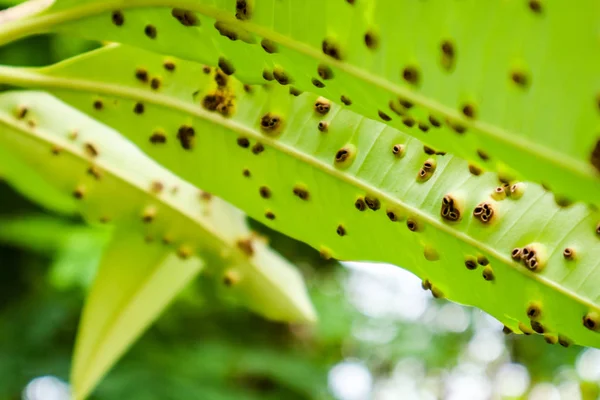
[161, 223]
[511, 83]
[287, 176]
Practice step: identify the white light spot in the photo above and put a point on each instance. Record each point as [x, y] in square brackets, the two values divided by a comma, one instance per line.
[350, 380]
[486, 346]
[544, 391]
[588, 365]
[512, 380]
[385, 291]
[570, 390]
[452, 318]
[46, 388]
[464, 384]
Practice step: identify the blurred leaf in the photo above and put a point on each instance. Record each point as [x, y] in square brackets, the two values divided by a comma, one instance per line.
[135, 282]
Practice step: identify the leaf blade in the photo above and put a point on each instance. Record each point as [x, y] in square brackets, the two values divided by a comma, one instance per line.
[123, 302]
[501, 138]
[418, 237]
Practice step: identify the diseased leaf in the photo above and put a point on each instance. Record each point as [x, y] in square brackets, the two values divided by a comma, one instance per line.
[353, 188]
[162, 222]
[32, 186]
[92, 163]
[482, 80]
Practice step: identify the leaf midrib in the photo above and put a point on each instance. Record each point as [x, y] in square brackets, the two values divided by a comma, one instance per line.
[223, 242]
[21, 77]
[42, 23]
[40, 136]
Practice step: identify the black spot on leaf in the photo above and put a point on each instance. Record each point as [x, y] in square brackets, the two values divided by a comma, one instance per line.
[264, 192]
[138, 108]
[411, 75]
[141, 75]
[185, 17]
[295, 92]
[243, 10]
[324, 72]
[243, 142]
[267, 75]
[535, 6]
[331, 49]
[317, 83]
[258, 148]
[226, 66]
[158, 137]
[150, 31]
[186, 134]
[371, 40]
[169, 65]
[155, 83]
[360, 204]
[372, 203]
[271, 124]
[269, 46]
[118, 18]
[301, 192]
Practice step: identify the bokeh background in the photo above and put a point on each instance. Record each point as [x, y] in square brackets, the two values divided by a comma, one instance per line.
[380, 336]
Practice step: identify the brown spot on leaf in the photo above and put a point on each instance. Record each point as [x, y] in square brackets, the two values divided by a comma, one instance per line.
[158, 137]
[186, 134]
[118, 18]
[150, 31]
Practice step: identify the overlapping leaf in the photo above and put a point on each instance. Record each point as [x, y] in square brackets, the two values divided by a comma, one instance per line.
[507, 85]
[162, 223]
[350, 187]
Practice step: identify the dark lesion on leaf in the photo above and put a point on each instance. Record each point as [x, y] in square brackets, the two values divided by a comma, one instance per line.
[118, 18]
[158, 137]
[186, 134]
[271, 123]
[185, 17]
[150, 31]
[595, 156]
[269, 46]
[331, 49]
[243, 9]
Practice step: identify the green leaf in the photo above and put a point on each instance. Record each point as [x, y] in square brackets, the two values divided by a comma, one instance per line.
[161, 223]
[491, 74]
[134, 284]
[307, 182]
[32, 186]
[86, 160]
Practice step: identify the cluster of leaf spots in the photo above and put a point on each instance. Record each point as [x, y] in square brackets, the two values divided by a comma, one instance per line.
[532, 256]
[427, 170]
[435, 291]
[450, 209]
[142, 75]
[484, 212]
[221, 99]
